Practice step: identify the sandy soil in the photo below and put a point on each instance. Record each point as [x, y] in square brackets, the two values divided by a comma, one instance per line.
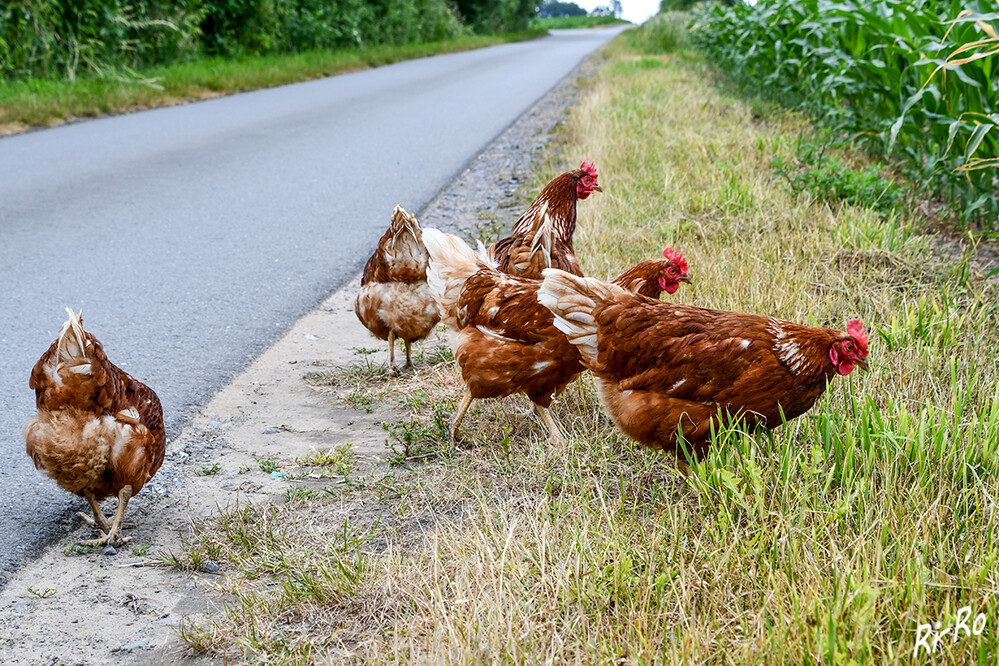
[68, 607]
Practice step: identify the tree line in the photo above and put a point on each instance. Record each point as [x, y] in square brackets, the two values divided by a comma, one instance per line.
[69, 38]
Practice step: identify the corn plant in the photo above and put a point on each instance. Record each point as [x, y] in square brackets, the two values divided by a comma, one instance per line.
[912, 81]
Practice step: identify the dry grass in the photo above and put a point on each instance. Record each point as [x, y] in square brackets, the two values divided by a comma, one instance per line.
[829, 540]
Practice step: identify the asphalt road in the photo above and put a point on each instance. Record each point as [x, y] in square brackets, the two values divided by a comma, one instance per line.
[193, 236]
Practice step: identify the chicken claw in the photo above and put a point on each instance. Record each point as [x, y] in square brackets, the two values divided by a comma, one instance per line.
[112, 535]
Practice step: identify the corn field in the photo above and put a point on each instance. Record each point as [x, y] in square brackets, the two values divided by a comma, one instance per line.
[915, 81]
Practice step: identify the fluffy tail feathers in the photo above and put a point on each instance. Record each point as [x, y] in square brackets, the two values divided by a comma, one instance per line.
[451, 263]
[72, 344]
[403, 221]
[71, 355]
[405, 249]
[575, 301]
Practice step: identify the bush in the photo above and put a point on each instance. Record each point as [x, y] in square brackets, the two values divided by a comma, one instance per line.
[236, 27]
[557, 9]
[70, 37]
[485, 16]
[66, 38]
[663, 33]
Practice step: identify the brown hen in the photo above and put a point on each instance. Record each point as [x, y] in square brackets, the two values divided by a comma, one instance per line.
[98, 432]
[394, 301]
[665, 369]
[542, 237]
[507, 342]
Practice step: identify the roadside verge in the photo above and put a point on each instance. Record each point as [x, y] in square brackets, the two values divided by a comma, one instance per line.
[251, 445]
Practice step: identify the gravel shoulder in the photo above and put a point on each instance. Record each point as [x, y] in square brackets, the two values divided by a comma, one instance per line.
[72, 607]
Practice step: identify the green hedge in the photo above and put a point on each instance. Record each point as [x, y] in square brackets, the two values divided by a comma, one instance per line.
[65, 38]
[233, 27]
[69, 38]
[915, 80]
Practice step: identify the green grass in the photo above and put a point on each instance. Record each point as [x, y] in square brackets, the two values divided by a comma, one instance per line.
[663, 33]
[209, 470]
[340, 459]
[831, 178]
[267, 465]
[49, 102]
[828, 540]
[569, 22]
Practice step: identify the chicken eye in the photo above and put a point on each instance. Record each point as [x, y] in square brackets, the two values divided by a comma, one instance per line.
[586, 179]
[849, 346]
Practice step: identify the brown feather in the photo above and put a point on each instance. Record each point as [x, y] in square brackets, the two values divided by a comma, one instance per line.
[85, 434]
[394, 297]
[520, 253]
[661, 367]
[508, 342]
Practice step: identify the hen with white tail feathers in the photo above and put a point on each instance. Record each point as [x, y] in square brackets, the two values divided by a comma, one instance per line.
[98, 432]
[394, 301]
[663, 369]
[507, 342]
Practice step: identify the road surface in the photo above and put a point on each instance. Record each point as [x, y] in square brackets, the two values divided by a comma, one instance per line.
[192, 236]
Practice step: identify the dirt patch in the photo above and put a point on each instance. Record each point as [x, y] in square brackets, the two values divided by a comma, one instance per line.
[72, 607]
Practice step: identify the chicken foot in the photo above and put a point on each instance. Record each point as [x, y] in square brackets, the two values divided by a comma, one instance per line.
[459, 414]
[555, 435]
[113, 535]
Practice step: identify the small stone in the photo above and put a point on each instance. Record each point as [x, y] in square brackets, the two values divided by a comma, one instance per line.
[134, 646]
[270, 431]
[109, 550]
[213, 424]
[19, 607]
[309, 336]
[211, 567]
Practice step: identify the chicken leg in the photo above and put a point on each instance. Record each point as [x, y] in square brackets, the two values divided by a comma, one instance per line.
[391, 369]
[113, 535]
[409, 358]
[459, 414]
[98, 522]
[555, 435]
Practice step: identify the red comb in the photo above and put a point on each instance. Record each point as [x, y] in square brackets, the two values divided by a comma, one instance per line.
[855, 328]
[677, 258]
[589, 168]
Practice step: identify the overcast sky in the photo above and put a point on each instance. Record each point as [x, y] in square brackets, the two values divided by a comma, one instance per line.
[635, 11]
